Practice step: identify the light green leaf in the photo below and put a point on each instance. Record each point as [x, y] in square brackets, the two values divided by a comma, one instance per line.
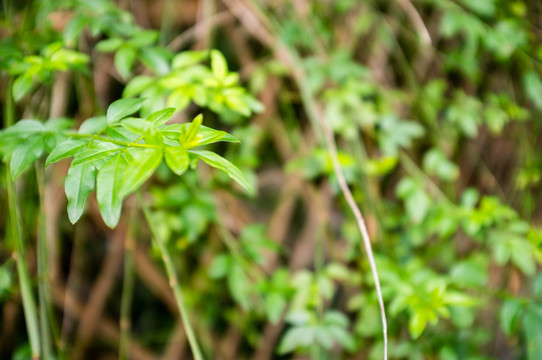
[155, 59]
[124, 61]
[161, 117]
[122, 108]
[188, 58]
[95, 151]
[274, 306]
[509, 315]
[24, 154]
[190, 133]
[65, 149]
[296, 338]
[532, 325]
[218, 65]
[21, 86]
[144, 38]
[79, 183]
[137, 85]
[177, 159]
[93, 125]
[23, 128]
[109, 45]
[220, 163]
[139, 169]
[108, 189]
[178, 99]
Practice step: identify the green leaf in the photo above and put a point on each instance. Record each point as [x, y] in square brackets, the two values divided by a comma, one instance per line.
[95, 151]
[24, 154]
[188, 58]
[139, 169]
[109, 45]
[509, 315]
[190, 133]
[93, 125]
[79, 183]
[21, 86]
[155, 59]
[124, 61]
[109, 188]
[532, 325]
[161, 117]
[23, 128]
[73, 29]
[178, 99]
[144, 38]
[220, 163]
[137, 85]
[218, 65]
[274, 306]
[533, 87]
[177, 159]
[122, 108]
[65, 149]
[296, 338]
[417, 323]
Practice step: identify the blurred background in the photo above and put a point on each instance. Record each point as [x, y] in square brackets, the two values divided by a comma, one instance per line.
[435, 109]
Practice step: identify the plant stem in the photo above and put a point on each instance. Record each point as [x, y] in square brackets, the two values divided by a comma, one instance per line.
[43, 288]
[117, 142]
[173, 280]
[126, 300]
[29, 305]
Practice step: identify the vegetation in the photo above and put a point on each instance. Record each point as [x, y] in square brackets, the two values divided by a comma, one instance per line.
[377, 194]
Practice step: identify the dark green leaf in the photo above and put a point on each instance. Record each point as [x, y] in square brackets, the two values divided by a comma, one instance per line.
[109, 188]
[177, 159]
[95, 151]
[24, 154]
[140, 167]
[65, 149]
[79, 183]
[220, 163]
[122, 108]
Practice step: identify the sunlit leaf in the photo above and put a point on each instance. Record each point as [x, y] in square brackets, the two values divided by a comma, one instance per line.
[122, 108]
[109, 189]
[79, 182]
[220, 163]
[24, 154]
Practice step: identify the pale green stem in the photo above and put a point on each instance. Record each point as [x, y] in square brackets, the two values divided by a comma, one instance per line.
[118, 142]
[173, 280]
[29, 305]
[43, 289]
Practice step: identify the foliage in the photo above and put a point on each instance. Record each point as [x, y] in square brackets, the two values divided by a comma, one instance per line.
[433, 105]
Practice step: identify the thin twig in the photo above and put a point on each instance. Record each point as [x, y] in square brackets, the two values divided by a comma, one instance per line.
[173, 280]
[290, 58]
